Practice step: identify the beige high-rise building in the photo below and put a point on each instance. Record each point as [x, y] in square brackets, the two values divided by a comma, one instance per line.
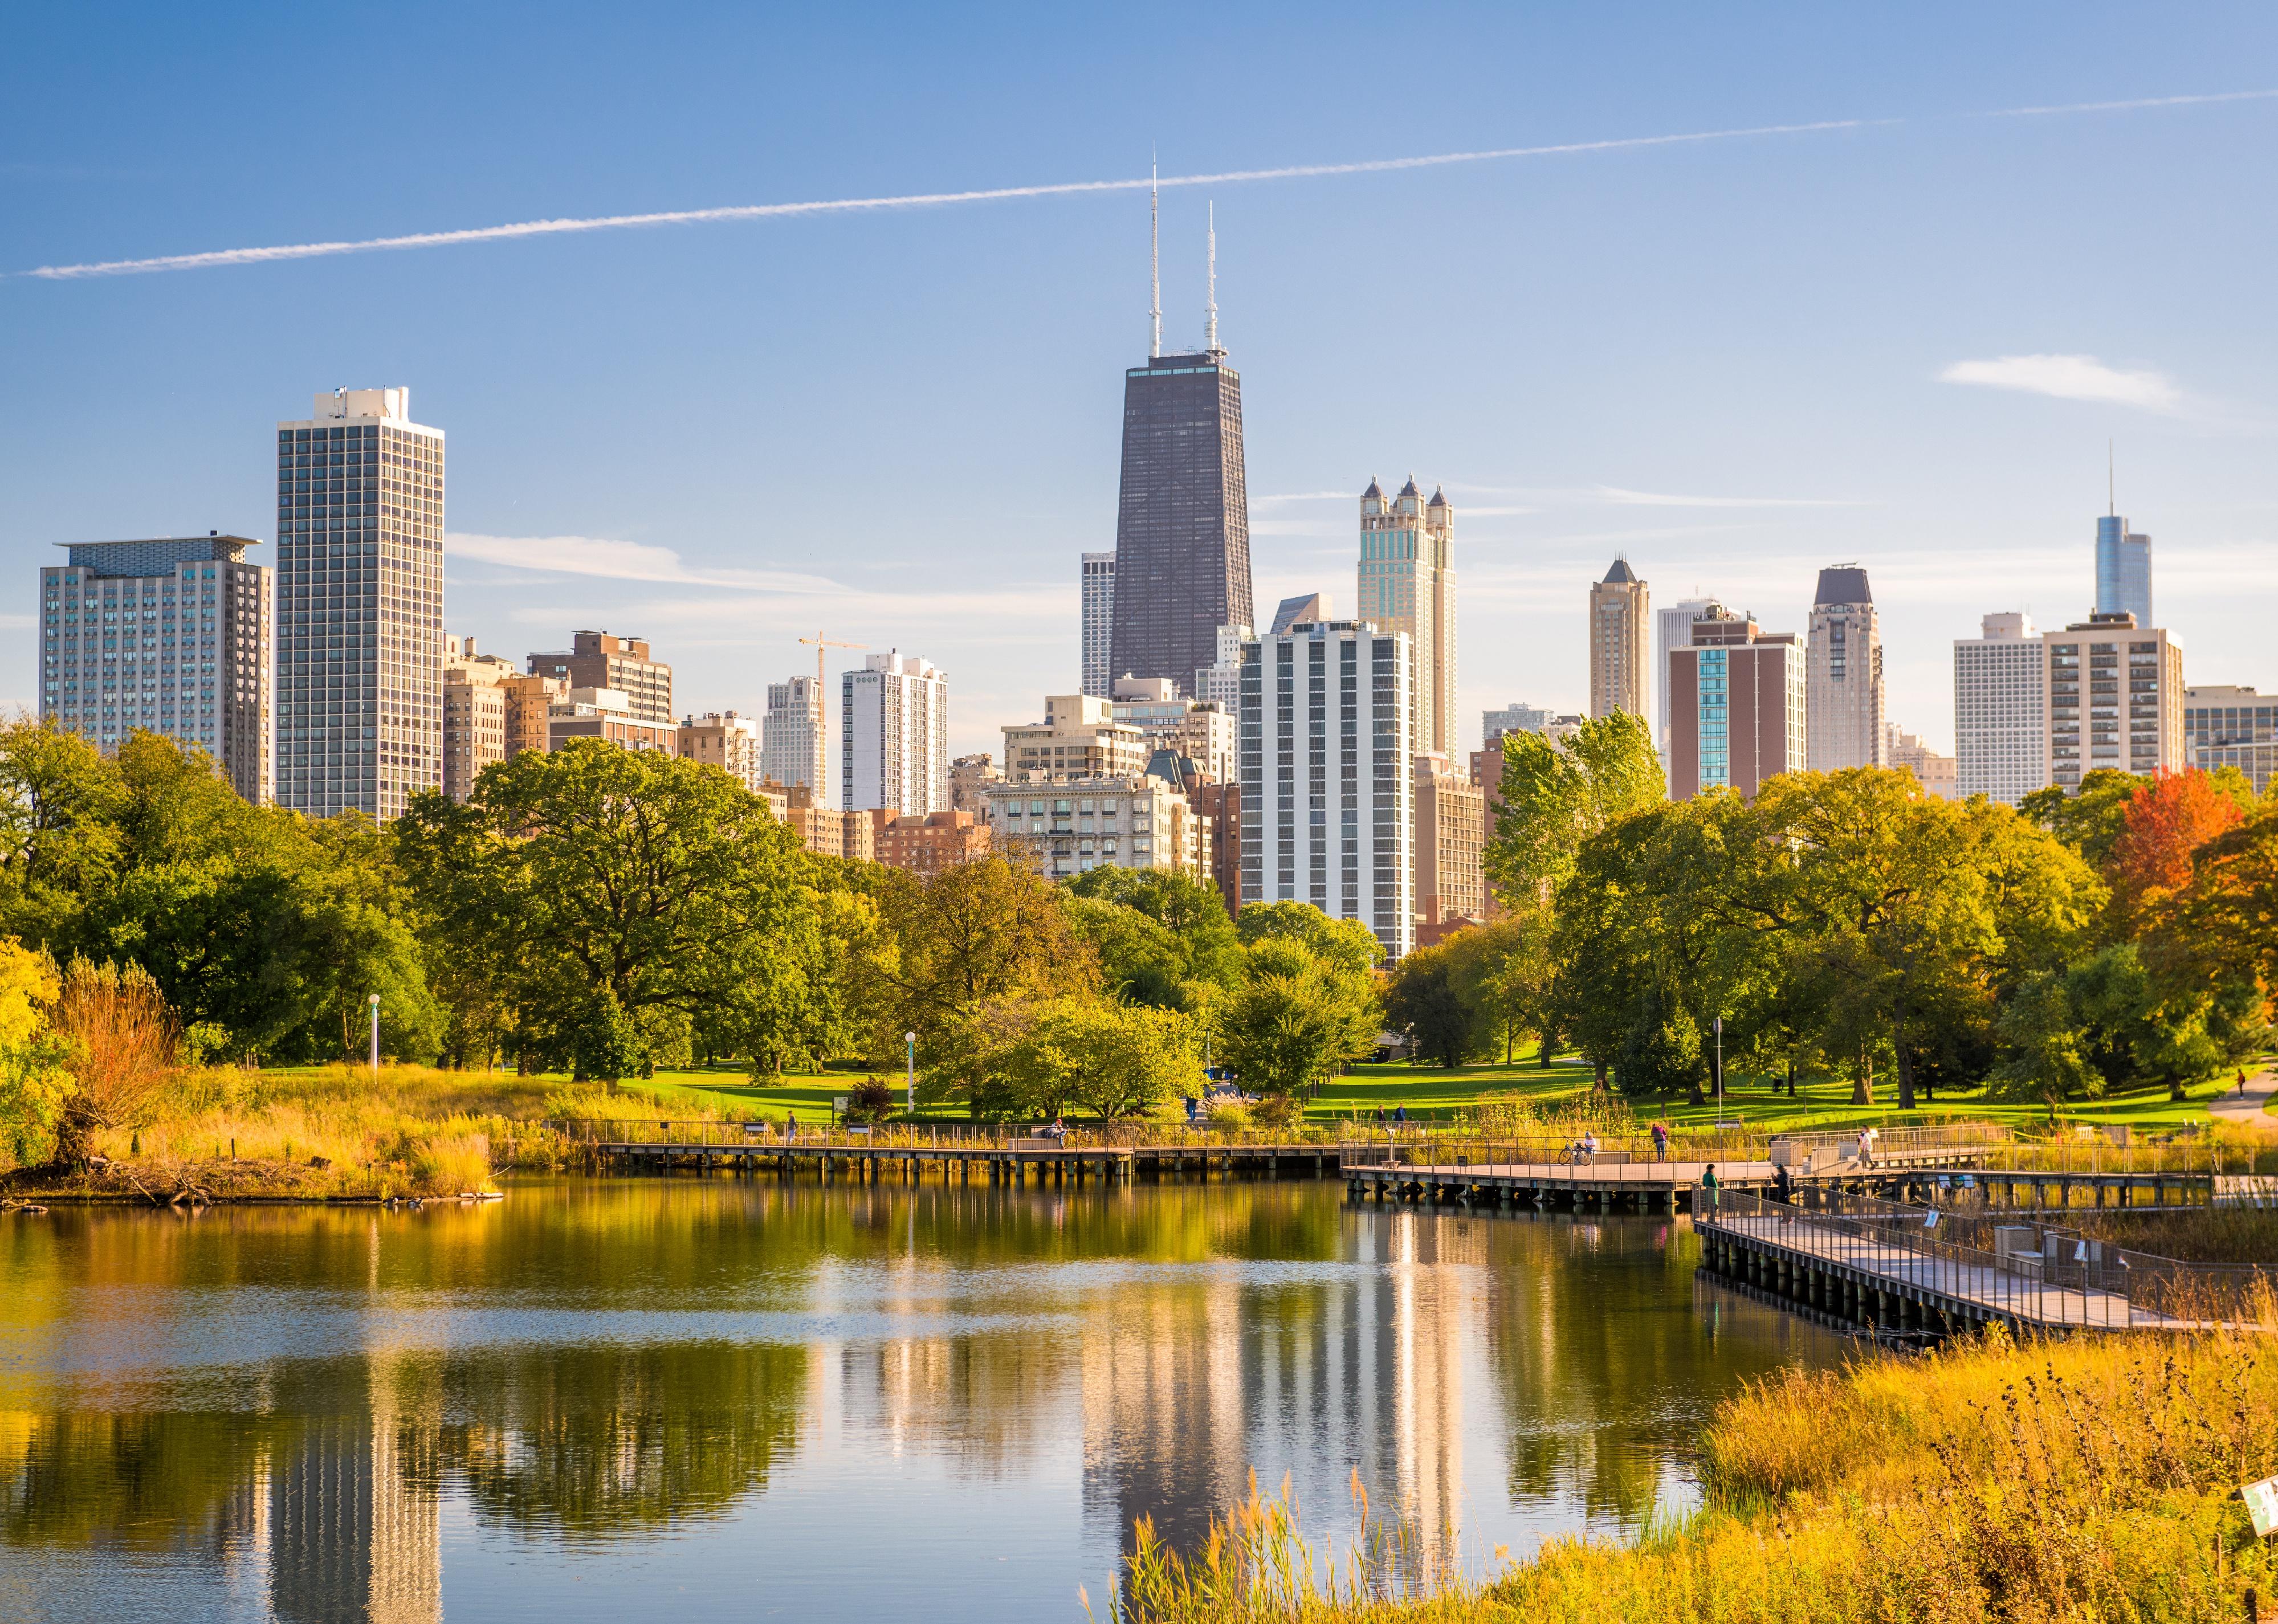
[1078, 737]
[969, 778]
[795, 734]
[1621, 636]
[597, 659]
[1408, 584]
[1450, 836]
[727, 741]
[2134, 698]
[1843, 680]
[474, 713]
[530, 712]
[893, 735]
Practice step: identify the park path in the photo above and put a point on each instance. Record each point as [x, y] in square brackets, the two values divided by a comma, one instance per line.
[2251, 1108]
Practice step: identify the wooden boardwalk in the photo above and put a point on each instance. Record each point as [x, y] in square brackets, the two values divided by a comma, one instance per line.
[1610, 1184]
[1011, 1161]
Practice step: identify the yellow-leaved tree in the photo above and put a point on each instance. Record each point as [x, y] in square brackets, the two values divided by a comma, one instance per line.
[34, 1082]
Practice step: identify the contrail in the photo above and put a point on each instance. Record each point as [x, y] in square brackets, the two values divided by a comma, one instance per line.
[927, 199]
[916, 200]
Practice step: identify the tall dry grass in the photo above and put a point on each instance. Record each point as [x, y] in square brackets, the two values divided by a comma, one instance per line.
[2082, 1481]
[333, 1131]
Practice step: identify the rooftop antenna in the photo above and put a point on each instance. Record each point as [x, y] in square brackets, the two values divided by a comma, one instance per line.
[1209, 321]
[1154, 260]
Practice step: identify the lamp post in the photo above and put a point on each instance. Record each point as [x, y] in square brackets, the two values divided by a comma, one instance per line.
[375, 1037]
[1719, 1024]
[911, 1039]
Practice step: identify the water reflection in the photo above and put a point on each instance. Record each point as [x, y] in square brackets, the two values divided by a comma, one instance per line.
[309, 1415]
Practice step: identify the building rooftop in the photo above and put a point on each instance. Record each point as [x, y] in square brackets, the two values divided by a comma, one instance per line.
[157, 554]
[1621, 574]
[1312, 606]
[1844, 583]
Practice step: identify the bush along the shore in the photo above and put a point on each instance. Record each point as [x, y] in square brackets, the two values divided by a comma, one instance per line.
[2088, 1480]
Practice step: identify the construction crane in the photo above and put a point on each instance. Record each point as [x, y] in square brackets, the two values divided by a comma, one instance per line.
[821, 709]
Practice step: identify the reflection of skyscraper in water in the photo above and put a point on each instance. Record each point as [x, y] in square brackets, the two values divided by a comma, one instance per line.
[355, 1533]
[1420, 1424]
[1192, 1383]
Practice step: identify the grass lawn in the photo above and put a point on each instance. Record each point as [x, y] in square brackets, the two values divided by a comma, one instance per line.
[1436, 1091]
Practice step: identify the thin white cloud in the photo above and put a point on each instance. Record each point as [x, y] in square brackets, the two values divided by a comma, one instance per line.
[622, 560]
[1617, 496]
[1620, 498]
[214, 258]
[2129, 107]
[2069, 378]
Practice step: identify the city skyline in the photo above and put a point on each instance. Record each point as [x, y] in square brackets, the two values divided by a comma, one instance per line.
[1732, 427]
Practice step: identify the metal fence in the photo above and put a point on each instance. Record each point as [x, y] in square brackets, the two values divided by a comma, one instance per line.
[2042, 1273]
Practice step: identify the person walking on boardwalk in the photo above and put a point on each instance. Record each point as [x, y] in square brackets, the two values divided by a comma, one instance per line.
[1379, 1118]
[1783, 1190]
[1399, 1115]
[1708, 1186]
[1660, 1142]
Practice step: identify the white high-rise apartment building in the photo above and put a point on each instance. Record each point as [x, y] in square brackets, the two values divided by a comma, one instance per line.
[1219, 683]
[1328, 812]
[2000, 706]
[893, 734]
[167, 636]
[1672, 628]
[1843, 680]
[1098, 623]
[1407, 585]
[2133, 694]
[795, 735]
[359, 605]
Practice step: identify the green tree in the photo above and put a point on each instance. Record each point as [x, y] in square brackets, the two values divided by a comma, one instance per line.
[1124, 1059]
[1140, 962]
[1346, 944]
[1295, 1015]
[991, 934]
[1554, 798]
[2088, 818]
[1503, 971]
[1191, 910]
[625, 894]
[1423, 998]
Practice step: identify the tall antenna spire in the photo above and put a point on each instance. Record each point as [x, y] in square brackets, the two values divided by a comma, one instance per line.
[1210, 320]
[1154, 261]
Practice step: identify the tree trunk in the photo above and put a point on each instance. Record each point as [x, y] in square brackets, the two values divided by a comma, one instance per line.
[1862, 1080]
[1599, 1067]
[1791, 1077]
[1906, 1061]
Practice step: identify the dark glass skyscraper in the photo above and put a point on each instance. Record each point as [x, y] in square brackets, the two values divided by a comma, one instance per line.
[1183, 530]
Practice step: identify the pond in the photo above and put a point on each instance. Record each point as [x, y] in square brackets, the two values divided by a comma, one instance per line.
[744, 1398]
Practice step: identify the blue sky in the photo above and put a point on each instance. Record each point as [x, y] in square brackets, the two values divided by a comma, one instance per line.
[1736, 360]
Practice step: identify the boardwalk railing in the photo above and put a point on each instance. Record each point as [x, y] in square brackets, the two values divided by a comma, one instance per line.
[2038, 1272]
[699, 1133]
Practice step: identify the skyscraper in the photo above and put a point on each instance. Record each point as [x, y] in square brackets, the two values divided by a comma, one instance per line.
[1672, 628]
[1321, 823]
[893, 735]
[167, 636]
[2123, 570]
[2135, 698]
[1620, 613]
[1182, 521]
[2000, 735]
[1844, 684]
[359, 605]
[1098, 623]
[2232, 726]
[1407, 584]
[1737, 710]
[794, 736]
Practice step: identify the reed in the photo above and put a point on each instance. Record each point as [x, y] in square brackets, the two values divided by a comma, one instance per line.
[2084, 1480]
